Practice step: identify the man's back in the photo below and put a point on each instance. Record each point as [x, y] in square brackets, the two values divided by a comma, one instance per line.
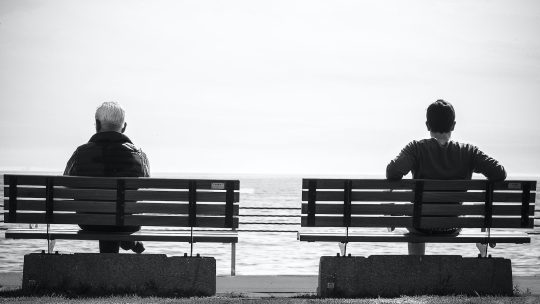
[428, 159]
[108, 154]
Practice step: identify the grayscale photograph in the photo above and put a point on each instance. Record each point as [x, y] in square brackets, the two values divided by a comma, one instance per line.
[287, 151]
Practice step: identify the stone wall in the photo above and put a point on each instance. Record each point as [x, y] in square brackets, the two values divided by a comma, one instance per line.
[396, 275]
[109, 273]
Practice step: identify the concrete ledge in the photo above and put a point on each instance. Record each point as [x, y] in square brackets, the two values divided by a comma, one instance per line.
[396, 275]
[109, 273]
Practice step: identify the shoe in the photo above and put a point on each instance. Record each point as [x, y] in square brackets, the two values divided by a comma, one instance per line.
[127, 245]
[136, 247]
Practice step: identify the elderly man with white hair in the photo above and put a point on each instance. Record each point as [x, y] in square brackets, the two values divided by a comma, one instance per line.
[110, 153]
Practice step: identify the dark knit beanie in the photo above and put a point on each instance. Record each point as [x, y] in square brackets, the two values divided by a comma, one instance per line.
[440, 116]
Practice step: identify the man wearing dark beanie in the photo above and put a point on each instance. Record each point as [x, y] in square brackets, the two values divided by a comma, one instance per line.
[441, 158]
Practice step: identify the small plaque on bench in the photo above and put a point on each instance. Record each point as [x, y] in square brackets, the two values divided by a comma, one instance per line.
[217, 186]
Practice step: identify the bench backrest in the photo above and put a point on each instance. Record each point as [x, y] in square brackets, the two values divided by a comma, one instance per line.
[418, 203]
[121, 201]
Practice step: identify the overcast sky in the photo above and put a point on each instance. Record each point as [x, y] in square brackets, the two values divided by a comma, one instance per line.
[297, 87]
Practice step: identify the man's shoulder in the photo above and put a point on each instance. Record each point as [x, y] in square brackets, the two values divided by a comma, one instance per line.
[85, 147]
[119, 147]
[419, 143]
[463, 146]
[131, 148]
[427, 142]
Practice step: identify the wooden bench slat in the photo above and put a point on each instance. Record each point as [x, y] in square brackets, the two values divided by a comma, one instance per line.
[111, 182]
[155, 195]
[71, 218]
[65, 205]
[167, 183]
[459, 185]
[338, 196]
[66, 193]
[427, 209]
[403, 196]
[176, 221]
[359, 184]
[85, 182]
[176, 208]
[130, 220]
[26, 192]
[134, 195]
[407, 221]
[472, 222]
[364, 208]
[430, 185]
[176, 236]
[130, 207]
[337, 221]
[508, 197]
[69, 181]
[517, 238]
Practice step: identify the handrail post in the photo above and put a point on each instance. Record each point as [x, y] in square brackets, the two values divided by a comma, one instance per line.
[192, 219]
[347, 197]
[233, 258]
[49, 209]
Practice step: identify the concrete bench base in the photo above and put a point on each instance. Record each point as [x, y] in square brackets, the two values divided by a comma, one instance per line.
[396, 275]
[109, 273]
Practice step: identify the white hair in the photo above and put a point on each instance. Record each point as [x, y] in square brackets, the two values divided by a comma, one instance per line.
[111, 114]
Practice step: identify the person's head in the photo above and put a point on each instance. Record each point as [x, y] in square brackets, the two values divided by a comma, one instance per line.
[110, 117]
[441, 119]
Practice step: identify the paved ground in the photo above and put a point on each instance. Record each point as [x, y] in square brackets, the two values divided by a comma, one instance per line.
[264, 285]
[277, 286]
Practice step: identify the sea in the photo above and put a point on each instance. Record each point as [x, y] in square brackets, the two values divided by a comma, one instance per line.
[272, 249]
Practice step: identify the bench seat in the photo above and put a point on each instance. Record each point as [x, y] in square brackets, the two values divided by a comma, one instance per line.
[156, 236]
[464, 237]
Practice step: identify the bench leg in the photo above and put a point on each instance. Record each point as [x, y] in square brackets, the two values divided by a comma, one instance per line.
[483, 249]
[417, 248]
[233, 259]
[50, 245]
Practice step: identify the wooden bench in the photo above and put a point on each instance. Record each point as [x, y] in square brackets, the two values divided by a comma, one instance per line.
[417, 203]
[171, 204]
[357, 204]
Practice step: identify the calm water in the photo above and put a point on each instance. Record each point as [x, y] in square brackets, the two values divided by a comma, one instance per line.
[271, 252]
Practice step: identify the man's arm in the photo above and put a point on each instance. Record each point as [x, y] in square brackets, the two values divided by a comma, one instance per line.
[402, 164]
[71, 164]
[488, 166]
[145, 164]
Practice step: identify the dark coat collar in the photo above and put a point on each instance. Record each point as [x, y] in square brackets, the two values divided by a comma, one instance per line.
[109, 137]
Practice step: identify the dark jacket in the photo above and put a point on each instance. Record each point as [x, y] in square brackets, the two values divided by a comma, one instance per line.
[109, 154]
[427, 159]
